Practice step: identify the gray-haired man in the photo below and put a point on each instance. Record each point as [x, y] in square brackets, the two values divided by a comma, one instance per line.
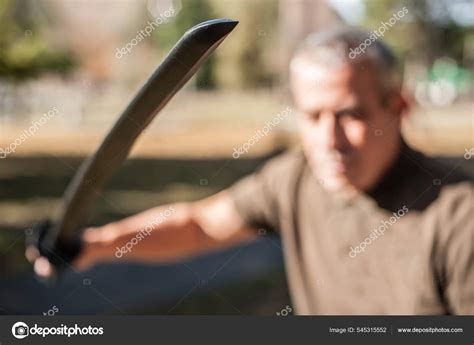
[369, 226]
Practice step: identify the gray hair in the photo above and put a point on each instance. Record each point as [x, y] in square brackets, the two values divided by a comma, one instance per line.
[343, 45]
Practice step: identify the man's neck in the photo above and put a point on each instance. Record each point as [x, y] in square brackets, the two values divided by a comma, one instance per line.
[394, 156]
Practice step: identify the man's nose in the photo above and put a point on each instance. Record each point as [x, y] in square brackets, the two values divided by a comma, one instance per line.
[332, 133]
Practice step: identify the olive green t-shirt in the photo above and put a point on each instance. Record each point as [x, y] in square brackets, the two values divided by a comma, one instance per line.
[405, 248]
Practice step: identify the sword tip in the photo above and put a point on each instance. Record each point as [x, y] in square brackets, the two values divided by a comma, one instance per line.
[219, 27]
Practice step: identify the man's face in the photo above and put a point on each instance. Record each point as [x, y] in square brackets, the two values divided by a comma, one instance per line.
[349, 135]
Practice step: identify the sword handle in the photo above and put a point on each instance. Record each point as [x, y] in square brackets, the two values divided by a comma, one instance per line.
[63, 252]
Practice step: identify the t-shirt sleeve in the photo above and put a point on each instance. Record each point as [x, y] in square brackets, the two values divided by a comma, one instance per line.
[459, 256]
[257, 197]
[254, 199]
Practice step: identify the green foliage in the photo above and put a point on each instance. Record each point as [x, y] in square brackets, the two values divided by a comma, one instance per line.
[251, 56]
[259, 18]
[427, 32]
[191, 13]
[24, 52]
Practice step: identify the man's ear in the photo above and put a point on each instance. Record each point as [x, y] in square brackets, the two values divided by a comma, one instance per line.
[397, 103]
[407, 101]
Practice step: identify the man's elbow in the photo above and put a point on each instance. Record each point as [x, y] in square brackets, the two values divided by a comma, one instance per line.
[218, 218]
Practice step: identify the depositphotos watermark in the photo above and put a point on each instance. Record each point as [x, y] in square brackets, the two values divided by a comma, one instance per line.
[145, 32]
[21, 330]
[285, 311]
[263, 132]
[51, 311]
[468, 153]
[380, 32]
[127, 248]
[27, 133]
[380, 231]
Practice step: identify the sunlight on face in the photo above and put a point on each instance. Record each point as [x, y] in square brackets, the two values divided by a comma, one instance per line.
[348, 136]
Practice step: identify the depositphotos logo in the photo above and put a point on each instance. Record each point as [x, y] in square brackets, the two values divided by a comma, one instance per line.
[21, 330]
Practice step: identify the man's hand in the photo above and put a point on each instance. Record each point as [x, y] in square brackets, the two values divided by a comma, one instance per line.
[96, 242]
[190, 229]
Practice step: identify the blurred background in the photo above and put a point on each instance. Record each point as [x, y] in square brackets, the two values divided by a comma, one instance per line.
[83, 61]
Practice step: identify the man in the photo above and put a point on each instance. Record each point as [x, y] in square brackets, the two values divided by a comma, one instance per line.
[368, 225]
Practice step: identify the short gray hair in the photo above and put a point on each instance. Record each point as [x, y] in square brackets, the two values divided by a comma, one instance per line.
[335, 46]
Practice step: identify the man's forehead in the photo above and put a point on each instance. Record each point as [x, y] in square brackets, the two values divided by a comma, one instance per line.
[319, 85]
[316, 85]
[315, 74]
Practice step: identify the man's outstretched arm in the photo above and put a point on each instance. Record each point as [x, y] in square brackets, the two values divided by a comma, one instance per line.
[165, 233]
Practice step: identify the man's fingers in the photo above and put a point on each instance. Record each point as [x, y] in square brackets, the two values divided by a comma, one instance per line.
[32, 253]
[91, 235]
[91, 254]
[99, 235]
[97, 243]
[43, 267]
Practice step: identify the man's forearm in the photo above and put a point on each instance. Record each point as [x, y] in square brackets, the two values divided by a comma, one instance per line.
[160, 234]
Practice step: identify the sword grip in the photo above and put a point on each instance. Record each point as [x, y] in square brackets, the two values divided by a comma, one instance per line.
[63, 252]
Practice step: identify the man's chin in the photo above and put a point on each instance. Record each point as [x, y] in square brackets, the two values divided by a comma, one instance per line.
[334, 176]
[337, 182]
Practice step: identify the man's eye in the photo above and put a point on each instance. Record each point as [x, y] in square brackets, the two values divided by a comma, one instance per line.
[312, 117]
[350, 114]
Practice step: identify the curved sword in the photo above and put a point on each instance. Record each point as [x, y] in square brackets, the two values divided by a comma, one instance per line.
[177, 68]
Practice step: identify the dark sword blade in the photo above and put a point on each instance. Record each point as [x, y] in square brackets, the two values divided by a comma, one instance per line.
[177, 68]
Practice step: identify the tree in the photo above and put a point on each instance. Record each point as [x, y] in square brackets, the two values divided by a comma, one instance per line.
[24, 51]
[192, 13]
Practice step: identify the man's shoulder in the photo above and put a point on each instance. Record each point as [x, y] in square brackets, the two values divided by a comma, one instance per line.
[454, 188]
[441, 172]
[287, 159]
[450, 170]
[450, 178]
[290, 162]
[260, 197]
